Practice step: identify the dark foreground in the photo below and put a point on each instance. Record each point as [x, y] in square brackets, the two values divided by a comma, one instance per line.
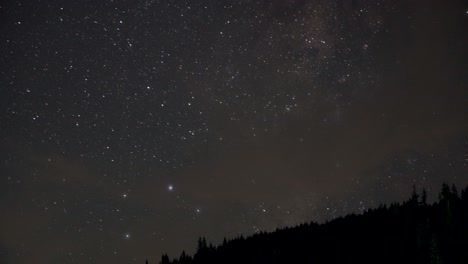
[412, 232]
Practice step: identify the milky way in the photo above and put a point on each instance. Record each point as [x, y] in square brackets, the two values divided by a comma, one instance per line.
[130, 128]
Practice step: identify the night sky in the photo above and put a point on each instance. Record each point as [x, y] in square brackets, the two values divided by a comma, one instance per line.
[130, 128]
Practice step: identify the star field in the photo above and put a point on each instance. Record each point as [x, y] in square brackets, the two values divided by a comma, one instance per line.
[130, 128]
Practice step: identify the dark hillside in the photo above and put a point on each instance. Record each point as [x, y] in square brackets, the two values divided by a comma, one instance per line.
[412, 232]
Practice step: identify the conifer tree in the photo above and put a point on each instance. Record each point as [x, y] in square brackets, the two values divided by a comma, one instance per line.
[445, 192]
[165, 259]
[424, 197]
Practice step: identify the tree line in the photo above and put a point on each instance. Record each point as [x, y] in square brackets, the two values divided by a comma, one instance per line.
[411, 232]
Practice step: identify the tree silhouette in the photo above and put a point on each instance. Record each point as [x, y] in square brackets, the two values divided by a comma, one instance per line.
[165, 259]
[424, 197]
[411, 232]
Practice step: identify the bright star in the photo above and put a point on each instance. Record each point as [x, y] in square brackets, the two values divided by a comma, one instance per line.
[170, 187]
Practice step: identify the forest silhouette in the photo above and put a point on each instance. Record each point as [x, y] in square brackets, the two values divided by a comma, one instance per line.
[411, 232]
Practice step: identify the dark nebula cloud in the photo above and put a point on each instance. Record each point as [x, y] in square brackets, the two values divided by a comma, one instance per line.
[130, 128]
